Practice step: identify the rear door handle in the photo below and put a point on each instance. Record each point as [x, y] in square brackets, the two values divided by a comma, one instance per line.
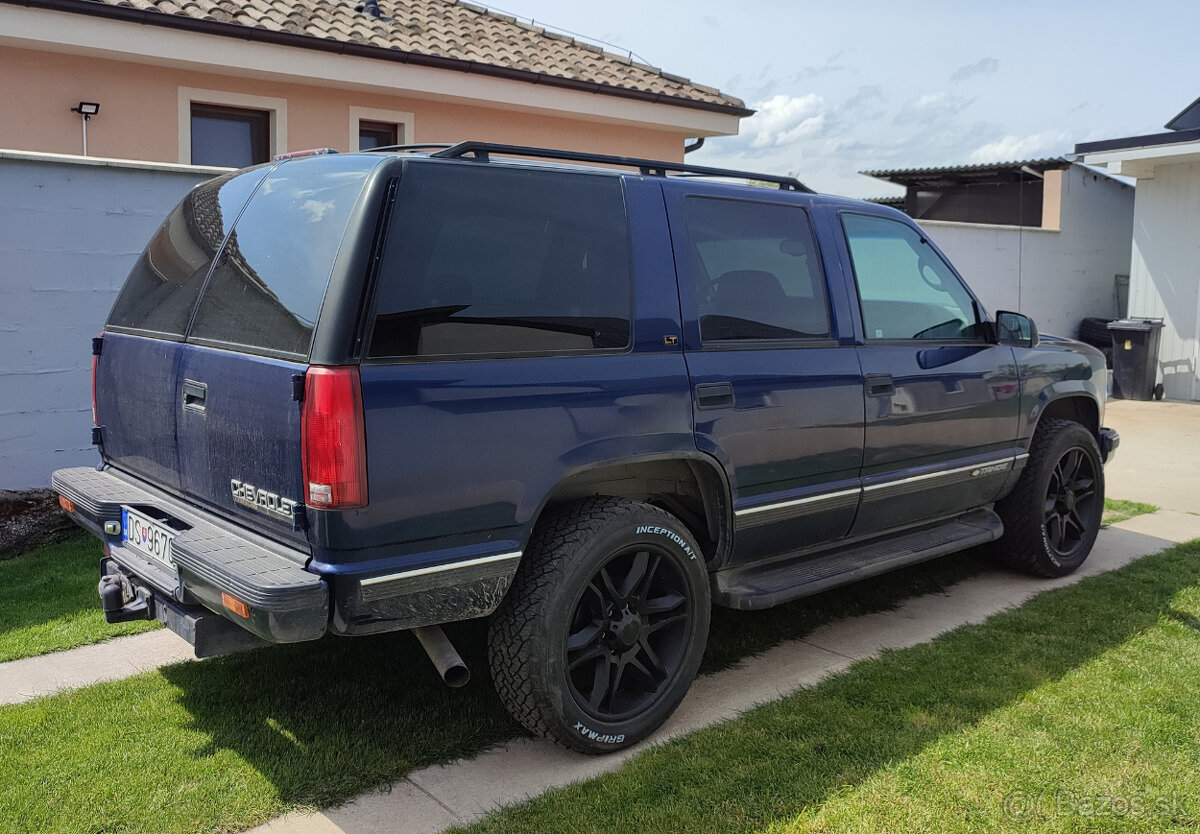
[194, 395]
[714, 395]
[880, 385]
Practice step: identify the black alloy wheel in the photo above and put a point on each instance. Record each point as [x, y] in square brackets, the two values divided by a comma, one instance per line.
[628, 634]
[600, 635]
[1052, 515]
[1071, 503]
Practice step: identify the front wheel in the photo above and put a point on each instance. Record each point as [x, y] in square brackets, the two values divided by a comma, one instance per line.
[1052, 516]
[602, 631]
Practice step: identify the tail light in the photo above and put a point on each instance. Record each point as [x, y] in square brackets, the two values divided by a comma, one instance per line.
[96, 343]
[334, 439]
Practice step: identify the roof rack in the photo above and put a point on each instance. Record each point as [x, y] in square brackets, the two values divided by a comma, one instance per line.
[481, 151]
[429, 146]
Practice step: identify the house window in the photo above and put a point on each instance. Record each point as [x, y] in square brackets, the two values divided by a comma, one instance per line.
[234, 137]
[222, 128]
[373, 135]
[371, 128]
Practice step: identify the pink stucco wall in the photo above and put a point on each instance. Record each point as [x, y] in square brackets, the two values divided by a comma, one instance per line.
[139, 115]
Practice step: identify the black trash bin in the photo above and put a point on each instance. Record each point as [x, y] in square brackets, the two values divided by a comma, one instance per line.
[1135, 358]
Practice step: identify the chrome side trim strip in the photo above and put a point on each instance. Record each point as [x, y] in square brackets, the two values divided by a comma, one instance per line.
[410, 574]
[798, 502]
[945, 473]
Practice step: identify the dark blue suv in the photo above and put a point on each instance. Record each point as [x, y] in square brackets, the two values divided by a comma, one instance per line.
[359, 393]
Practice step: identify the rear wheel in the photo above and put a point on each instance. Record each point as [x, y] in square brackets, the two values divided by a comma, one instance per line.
[601, 634]
[1052, 516]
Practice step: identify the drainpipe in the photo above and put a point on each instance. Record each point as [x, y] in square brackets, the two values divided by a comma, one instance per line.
[695, 146]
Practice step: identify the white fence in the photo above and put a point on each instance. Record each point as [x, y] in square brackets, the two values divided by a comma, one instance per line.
[70, 228]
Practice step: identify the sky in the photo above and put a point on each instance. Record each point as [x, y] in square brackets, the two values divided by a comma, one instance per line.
[843, 87]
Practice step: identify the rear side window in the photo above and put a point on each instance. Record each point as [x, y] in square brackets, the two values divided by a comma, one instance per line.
[163, 286]
[757, 272]
[268, 283]
[488, 261]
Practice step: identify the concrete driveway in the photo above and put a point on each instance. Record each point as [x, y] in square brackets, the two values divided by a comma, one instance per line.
[1159, 458]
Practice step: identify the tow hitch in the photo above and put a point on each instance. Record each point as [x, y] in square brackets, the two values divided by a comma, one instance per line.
[122, 602]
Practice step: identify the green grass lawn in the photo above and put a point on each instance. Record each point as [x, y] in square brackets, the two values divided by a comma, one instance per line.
[48, 600]
[227, 743]
[1116, 511]
[1076, 712]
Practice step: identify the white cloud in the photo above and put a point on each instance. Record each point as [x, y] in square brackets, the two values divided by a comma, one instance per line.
[983, 66]
[1016, 148]
[782, 120]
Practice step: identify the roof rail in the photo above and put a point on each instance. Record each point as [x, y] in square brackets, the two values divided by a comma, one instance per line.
[428, 146]
[648, 167]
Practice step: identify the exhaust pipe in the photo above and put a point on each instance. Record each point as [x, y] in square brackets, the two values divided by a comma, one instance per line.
[443, 654]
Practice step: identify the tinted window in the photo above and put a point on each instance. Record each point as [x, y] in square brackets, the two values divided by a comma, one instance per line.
[906, 290]
[492, 261]
[268, 284]
[162, 288]
[757, 271]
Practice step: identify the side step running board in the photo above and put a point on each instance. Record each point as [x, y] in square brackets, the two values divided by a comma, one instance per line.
[786, 579]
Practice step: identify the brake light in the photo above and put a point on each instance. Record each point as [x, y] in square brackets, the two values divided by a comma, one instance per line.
[96, 343]
[334, 439]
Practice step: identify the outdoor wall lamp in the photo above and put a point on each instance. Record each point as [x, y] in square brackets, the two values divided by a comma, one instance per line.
[86, 109]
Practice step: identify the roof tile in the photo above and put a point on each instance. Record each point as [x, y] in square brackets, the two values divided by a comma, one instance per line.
[445, 29]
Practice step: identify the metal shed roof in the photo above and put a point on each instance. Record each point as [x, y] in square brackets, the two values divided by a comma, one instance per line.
[949, 176]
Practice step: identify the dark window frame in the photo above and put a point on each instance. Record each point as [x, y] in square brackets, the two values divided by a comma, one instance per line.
[260, 121]
[373, 126]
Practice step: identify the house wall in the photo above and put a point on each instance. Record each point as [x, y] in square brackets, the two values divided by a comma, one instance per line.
[69, 232]
[140, 112]
[1164, 278]
[1058, 277]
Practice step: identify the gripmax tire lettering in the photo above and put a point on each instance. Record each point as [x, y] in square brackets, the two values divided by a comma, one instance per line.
[1052, 516]
[602, 631]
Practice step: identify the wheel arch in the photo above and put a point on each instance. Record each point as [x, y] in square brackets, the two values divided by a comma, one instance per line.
[693, 488]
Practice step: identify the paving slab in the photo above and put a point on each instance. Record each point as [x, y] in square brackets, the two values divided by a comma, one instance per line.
[1159, 458]
[466, 791]
[34, 677]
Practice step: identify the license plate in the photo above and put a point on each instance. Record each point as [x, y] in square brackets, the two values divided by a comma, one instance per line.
[147, 536]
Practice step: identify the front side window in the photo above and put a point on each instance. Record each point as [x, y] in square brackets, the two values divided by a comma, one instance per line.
[905, 288]
[488, 261]
[231, 137]
[757, 271]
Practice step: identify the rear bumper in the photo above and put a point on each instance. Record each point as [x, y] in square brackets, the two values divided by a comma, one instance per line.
[213, 562]
[1109, 441]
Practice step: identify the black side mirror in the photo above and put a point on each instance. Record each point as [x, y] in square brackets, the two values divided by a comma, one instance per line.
[1015, 329]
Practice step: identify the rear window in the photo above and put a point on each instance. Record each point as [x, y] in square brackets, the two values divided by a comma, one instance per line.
[269, 281]
[161, 290]
[493, 261]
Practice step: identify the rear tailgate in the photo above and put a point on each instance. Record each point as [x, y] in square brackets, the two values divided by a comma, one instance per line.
[240, 375]
[137, 385]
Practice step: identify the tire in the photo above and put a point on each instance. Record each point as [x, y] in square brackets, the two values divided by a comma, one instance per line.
[1053, 514]
[602, 631]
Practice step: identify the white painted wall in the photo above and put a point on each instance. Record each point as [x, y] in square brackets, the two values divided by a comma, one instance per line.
[1056, 277]
[70, 229]
[1164, 278]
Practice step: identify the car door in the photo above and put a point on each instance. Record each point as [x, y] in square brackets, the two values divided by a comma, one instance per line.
[777, 396]
[942, 403]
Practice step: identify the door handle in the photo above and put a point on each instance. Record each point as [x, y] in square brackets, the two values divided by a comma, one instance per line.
[194, 395]
[880, 385]
[714, 395]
